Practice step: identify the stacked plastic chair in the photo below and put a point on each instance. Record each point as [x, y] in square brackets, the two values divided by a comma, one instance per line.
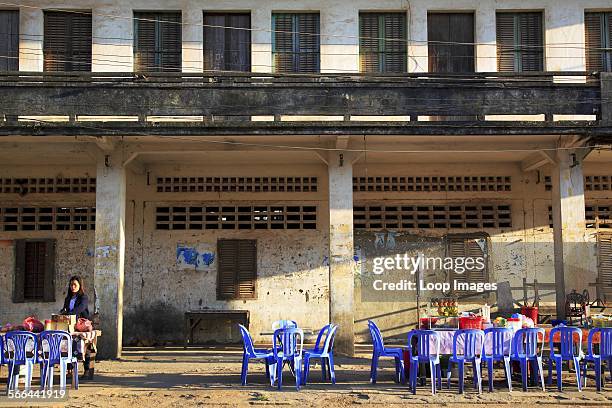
[381, 351]
[527, 348]
[290, 350]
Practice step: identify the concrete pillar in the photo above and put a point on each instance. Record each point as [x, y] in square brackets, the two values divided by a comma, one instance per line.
[486, 46]
[31, 30]
[417, 41]
[112, 43]
[193, 38]
[110, 250]
[341, 264]
[261, 38]
[570, 246]
[339, 39]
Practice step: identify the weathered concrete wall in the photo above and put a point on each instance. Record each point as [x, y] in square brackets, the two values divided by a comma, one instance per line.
[113, 30]
[74, 249]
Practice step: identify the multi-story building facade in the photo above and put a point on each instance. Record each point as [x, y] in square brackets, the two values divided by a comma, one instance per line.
[250, 155]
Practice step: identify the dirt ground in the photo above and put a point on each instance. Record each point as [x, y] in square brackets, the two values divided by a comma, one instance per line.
[174, 377]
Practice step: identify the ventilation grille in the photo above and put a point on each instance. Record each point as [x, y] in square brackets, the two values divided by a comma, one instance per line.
[399, 217]
[47, 218]
[596, 216]
[433, 183]
[236, 217]
[591, 183]
[47, 185]
[236, 184]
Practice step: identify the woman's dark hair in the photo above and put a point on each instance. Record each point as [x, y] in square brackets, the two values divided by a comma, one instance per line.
[81, 288]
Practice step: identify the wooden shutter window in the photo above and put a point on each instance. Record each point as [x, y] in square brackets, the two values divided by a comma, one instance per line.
[450, 42]
[382, 45]
[157, 42]
[520, 40]
[34, 271]
[467, 246]
[296, 42]
[598, 37]
[9, 40]
[67, 41]
[227, 49]
[604, 261]
[237, 269]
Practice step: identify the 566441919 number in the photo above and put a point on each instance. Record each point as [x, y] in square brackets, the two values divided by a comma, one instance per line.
[36, 395]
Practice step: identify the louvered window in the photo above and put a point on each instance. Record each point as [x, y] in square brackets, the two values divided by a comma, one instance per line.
[598, 29]
[520, 39]
[450, 39]
[67, 41]
[295, 42]
[468, 246]
[157, 42]
[604, 261]
[237, 269]
[9, 40]
[34, 270]
[382, 42]
[227, 49]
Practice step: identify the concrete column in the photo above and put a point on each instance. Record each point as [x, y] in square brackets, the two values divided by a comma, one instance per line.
[110, 250]
[341, 264]
[339, 42]
[486, 51]
[31, 30]
[193, 38]
[112, 43]
[261, 39]
[570, 246]
[417, 40]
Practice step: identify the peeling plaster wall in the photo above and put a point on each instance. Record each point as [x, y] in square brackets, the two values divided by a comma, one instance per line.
[74, 249]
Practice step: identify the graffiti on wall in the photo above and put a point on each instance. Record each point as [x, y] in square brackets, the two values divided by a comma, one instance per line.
[199, 257]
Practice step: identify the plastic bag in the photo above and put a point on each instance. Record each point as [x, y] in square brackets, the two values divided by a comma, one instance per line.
[32, 324]
[83, 325]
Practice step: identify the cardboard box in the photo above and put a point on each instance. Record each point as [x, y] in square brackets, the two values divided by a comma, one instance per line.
[68, 319]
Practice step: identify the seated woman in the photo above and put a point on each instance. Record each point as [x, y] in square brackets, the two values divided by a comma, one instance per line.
[76, 301]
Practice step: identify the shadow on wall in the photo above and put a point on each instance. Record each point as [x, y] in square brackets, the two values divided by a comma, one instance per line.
[157, 324]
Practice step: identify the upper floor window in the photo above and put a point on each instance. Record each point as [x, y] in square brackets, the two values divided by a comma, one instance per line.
[598, 30]
[227, 41]
[295, 42]
[382, 42]
[157, 42]
[67, 41]
[450, 39]
[520, 40]
[9, 40]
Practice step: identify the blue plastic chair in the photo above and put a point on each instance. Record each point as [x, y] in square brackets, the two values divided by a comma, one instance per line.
[250, 353]
[525, 346]
[424, 355]
[605, 355]
[569, 351]
[54, 340]
[324, 352]
[473, 344]
[501, 346]
[18, 356]
[290, 350]
[381, 351]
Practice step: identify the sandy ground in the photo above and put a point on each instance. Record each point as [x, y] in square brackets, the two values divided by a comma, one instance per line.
[173, 377]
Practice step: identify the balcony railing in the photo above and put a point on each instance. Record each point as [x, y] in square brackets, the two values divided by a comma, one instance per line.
[203, 103]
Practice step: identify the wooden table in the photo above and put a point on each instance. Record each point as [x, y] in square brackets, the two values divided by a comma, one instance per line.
[194, 317]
